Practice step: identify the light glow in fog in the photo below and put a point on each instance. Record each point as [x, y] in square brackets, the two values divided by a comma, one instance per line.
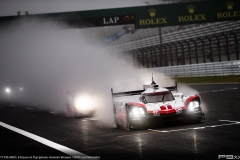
[7, 90]
[85, 103]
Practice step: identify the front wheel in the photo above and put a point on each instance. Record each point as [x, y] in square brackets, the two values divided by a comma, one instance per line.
[194, 120]
[118, 126]
[70, 112]
[76, 115]
[129, 124]
[197, 120]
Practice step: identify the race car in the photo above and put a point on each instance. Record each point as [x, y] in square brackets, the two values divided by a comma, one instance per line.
[80, 106]
[154, 104]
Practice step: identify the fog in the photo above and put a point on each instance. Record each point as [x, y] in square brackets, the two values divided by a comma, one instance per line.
[49, 64]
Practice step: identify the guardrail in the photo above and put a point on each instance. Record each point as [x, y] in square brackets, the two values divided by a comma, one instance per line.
[203, 69]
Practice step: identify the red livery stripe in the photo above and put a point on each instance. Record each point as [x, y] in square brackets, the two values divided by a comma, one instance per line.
[190, 98]
[136, 104]
[165, 111]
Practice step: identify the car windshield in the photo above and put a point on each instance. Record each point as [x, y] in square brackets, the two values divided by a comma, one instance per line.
[153, 98]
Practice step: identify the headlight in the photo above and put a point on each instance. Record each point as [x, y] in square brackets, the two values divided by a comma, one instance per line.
[138, 112]
[193, 106]
[84, 103]
[7, 90]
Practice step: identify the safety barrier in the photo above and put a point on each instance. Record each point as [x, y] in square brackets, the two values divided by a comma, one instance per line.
[203, 69]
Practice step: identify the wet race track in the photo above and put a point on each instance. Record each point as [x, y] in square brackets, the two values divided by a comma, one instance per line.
[218, 135]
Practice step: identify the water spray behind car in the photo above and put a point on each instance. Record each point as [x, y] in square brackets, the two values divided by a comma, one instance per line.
[49, 62]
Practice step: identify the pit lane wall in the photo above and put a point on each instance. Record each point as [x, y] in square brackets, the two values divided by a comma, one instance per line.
[203, 69]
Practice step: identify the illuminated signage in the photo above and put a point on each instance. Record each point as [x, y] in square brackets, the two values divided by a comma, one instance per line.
[152, 20]
[192, 17]
[102, 21]
[111, 20]
[143, 17]
[230, 13]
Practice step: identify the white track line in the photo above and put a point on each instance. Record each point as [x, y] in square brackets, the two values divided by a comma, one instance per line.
[220, 90]
[91, 119]
[53, 112]
[30, 108]
[231, 123]
[54, 145]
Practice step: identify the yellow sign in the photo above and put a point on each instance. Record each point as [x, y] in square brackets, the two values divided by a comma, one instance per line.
[229, 5]
[191, 9]
[152, 20]
[229, 13]
[192, 17]
[152, 12]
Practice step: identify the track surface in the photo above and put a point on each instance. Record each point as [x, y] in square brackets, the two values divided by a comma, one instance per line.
[219, 134]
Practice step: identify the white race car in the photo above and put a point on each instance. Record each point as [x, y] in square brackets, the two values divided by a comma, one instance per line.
[135, 109]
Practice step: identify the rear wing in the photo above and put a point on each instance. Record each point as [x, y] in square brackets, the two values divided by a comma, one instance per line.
[138, 92]
[172, 88]
[128, 93]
